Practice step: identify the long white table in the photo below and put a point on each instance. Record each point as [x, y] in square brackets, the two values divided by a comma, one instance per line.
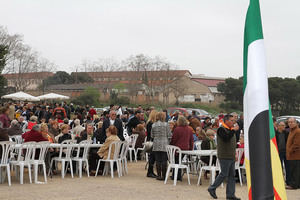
[56, 145]
[200, 152]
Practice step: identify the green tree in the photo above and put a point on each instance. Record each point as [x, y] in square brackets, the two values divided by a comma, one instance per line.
[60, 77]
[232, 89]
[81, 77]
[90, 96]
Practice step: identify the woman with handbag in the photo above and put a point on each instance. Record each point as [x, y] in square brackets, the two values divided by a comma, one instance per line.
[161, 135]
[149, 143]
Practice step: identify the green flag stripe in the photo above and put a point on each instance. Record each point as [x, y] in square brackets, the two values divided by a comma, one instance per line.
[253, 31]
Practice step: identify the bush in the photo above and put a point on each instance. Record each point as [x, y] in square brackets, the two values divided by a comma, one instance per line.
[90, 96]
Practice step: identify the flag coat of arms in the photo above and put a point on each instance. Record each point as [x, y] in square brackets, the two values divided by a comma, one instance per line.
[263, 167]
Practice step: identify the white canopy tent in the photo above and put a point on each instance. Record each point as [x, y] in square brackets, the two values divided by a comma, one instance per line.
[53, 96]
[20, 96]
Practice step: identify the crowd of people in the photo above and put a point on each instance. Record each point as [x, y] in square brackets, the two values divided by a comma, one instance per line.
[59, 122]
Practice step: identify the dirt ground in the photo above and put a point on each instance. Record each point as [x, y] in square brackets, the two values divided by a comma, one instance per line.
[134, 186]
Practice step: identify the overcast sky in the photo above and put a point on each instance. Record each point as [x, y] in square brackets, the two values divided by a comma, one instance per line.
[203, 36]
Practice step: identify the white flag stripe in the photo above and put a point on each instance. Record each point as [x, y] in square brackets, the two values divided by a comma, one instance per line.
[256, 94]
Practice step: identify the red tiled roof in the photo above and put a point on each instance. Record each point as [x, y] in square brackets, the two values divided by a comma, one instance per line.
[208, 82]
[31, 75]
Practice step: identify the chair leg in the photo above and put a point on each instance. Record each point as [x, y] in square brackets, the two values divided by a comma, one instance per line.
[118, 168]
[80, 168]
[62, 169]
[135, 155]
[175, 175]
[112, 169]
[126, 168]
[50, 168]
[97, 168]
[87, 168]
[188, 175]
[29, 173]
[199, 177]
[8, 175]
[130, 155]
[44, 169]
[167, 175]
[71, 167]
[240, 177]
[21, 173]
[35, 169]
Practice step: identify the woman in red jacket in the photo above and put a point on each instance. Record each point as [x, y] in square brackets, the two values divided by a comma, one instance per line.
[183, 138]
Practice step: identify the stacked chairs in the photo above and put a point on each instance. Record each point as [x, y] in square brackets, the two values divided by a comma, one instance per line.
[4, 162]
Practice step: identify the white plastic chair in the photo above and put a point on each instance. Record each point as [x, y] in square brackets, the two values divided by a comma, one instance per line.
[239, 154]
[6, 148]
[198, 144]
[171, 151]
[16, 138]
[210, 167]
[43, 149]
[141, 149]
[115, 159]
[84, 158]
[131, 149]
[24, 160]
[123, 158]
[64, 157]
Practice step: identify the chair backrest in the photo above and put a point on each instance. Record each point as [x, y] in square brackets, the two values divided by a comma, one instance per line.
[239, 154]
[40, 148]
[117, 148]
[85, 145]
[65, 149]
[171, 151]
[5, 150]
[133, 139]
[198, 144]
[25, 152]
[124, 150]
[16, 138]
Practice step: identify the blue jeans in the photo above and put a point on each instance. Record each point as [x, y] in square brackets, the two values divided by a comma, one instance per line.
[227, 170]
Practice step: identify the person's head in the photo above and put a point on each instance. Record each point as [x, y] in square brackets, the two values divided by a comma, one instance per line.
[281, 126]
[43, 120]
[5, 110]
[194, 123]
[14, 122]
[207, 120]
[152, 116]
[33, 118]
[210, 134]
[292, 123]
[100, 124]
[21, 119]
[160, 116]
[171, 125]
[112, 115]
[182, 121]
[89, 128]
[111, 130]
[64, 129]
[66, 121]
[217, 120]
[235, 116]
[229, 120]
[77, 122]
[137, 113]
[44, 127]
[139, 128]
[36, 127]
[242, 139]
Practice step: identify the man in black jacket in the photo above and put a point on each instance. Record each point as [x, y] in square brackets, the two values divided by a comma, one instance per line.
[226, 148]
[134, 121]
[112, 120]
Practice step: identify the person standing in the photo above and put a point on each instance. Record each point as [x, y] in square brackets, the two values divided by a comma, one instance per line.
[112, 120]
[161, 135]
[281, 138]
[293, 154]
[4, 119]
[151, 120]
[226, 148]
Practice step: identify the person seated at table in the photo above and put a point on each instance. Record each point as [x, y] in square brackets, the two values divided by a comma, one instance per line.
[15, 128]
[172, 126]
[54, 128]
[49, 136]
[33, 121]
[182, 138]
[139, 130]
[86, 134]
[111, 136]
[34, 135]
[64, 135]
